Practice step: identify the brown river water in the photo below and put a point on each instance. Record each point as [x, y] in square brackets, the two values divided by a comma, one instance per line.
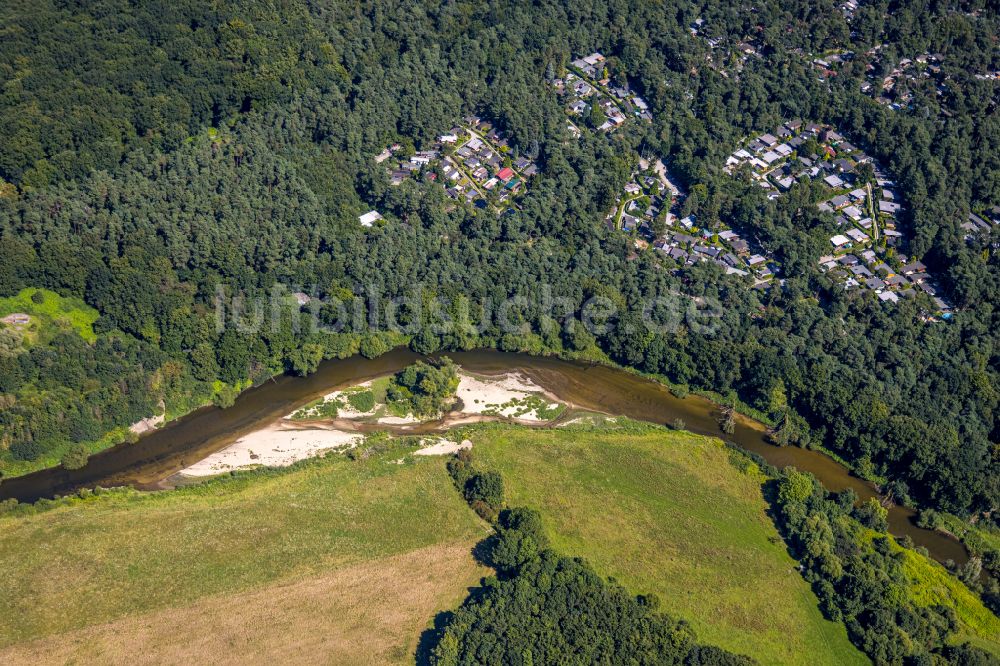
[181, 443]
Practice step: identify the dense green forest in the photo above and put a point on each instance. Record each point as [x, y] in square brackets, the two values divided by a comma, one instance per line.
[151, 154]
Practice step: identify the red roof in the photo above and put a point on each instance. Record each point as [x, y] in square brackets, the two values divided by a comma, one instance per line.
[505, 173]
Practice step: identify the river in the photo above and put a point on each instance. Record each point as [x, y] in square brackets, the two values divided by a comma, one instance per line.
[181, 443]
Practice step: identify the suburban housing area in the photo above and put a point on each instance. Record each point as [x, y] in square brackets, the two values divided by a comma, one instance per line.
[472, 161]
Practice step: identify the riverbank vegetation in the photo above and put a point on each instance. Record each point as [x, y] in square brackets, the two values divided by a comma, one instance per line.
[424, 388]
[982, 540]
[897, 604]
[227, 165]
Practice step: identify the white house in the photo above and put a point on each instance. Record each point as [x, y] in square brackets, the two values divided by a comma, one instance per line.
[369, 218]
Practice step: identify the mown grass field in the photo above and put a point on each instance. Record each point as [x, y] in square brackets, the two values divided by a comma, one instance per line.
[334, 561]
[668, 513]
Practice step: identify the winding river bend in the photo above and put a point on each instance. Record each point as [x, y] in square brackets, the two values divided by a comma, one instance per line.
[179, 444]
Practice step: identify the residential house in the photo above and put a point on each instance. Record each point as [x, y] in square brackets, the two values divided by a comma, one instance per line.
[840, 241]
[857, 235]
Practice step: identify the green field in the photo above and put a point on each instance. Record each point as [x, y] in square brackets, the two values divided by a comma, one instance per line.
[168, 568]
[345, 558]
[669, 513]
[54, 312]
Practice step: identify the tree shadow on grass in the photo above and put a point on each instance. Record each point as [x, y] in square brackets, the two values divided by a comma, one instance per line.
[429, 638]
[769, 490]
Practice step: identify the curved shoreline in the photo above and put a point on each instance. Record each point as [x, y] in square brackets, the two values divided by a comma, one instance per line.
[589, 386]
[505, 398]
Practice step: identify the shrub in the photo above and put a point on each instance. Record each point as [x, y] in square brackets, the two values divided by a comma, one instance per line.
[873, 515]
[373, 346]
[520, 538]
[363, 401]
[424, 388]
[486, 487]
[225, 396]
[484, 510]
[929, 519]
[27, 449]
[460, 468]
[425, 342]
[75, 457]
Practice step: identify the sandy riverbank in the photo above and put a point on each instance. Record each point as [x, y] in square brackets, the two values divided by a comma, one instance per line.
[147, 424]
[443, 447]
[277, 445]
[292, 438]
[506, 395]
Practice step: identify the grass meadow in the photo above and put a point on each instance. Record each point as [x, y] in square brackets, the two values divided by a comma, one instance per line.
[54, 312]
[351, 560]
[670, 513]
[212, 572]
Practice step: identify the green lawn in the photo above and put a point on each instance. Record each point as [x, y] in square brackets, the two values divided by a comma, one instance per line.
[117, 555]
[669, 513]
[53, 311]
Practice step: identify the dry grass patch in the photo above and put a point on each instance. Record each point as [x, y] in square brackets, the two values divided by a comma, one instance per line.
[371, 613]
[118, 557]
